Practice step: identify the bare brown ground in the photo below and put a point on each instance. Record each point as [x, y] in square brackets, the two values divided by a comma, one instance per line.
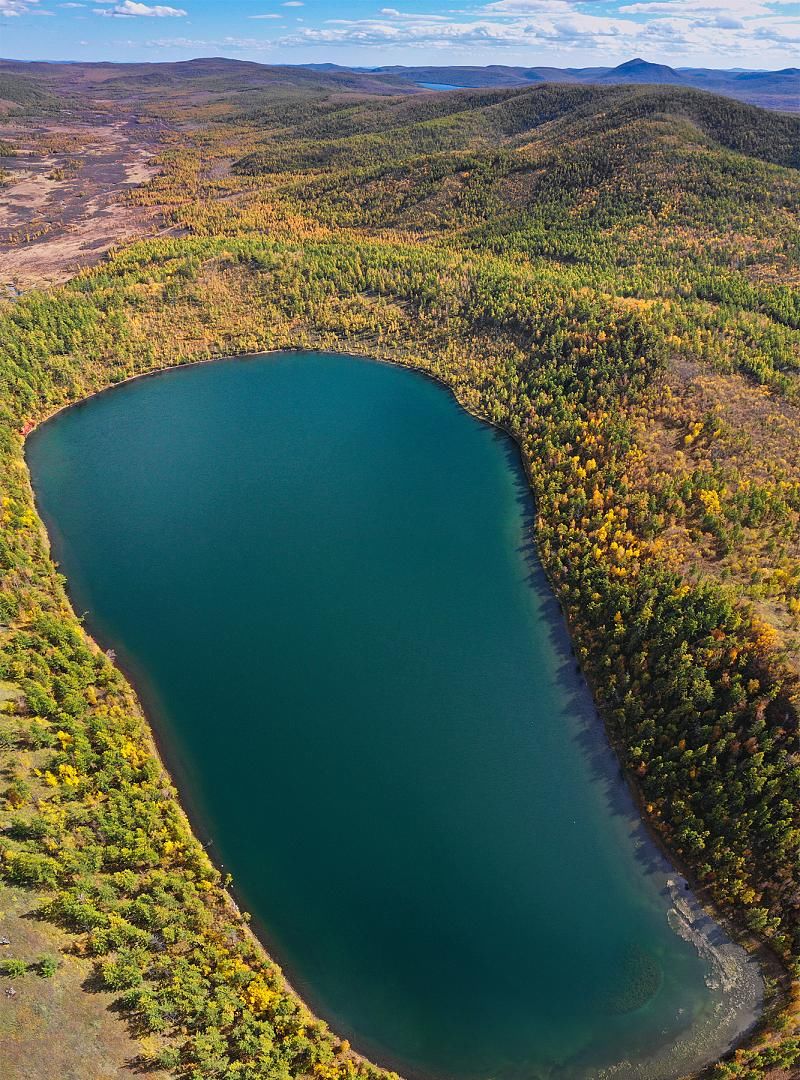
[760, 441]
[62, 1028]
[63, 206]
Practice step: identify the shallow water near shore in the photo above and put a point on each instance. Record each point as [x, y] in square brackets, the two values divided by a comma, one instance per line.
[318, 570]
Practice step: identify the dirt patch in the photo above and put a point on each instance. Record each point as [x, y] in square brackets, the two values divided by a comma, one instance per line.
[753, 447]
[51, 1026]
[221, 168]
[63, 203]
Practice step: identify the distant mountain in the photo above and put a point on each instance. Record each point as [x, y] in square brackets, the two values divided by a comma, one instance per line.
[770, 89]
[208, 78]
[640, 71]
[204, 78]
[768, 76]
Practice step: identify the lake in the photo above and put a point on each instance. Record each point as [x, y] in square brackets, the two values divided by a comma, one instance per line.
[318, 571]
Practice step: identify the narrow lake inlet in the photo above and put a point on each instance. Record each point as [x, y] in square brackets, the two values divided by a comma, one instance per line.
[319, 571]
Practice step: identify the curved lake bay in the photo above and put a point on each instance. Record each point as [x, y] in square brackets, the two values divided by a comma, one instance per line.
[318, 570]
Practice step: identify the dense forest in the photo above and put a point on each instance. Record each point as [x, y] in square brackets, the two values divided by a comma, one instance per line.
[610, 275]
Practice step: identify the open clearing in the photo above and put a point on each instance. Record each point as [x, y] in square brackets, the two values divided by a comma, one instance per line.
[63, 205]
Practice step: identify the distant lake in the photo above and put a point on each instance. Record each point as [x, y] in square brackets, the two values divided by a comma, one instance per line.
[441, 86]
[318, 570]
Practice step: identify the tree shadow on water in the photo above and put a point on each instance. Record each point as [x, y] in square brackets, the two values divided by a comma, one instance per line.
[587, 729]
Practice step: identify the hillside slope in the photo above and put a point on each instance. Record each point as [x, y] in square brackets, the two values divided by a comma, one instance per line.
[554, 170]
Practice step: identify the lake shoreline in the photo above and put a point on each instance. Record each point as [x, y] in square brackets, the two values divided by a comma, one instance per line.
[768, 962]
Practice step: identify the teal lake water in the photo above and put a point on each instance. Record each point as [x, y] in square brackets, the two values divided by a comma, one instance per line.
[318, 571]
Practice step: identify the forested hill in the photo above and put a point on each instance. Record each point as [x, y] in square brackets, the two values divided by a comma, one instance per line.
[551, 114]
[559, 171]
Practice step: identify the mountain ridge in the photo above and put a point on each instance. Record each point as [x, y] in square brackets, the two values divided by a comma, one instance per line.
[775, 90]
[770, 89]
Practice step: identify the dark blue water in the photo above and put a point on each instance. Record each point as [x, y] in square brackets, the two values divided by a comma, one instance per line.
[319, 570]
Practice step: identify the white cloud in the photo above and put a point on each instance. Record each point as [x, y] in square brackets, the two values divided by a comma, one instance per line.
[687, 8]
[17, 7]
[674, 31]
[528, 7]
[130, 9]
[785, 31]
[722, 33]
[230, 43]
[562, 25]
[393, 13]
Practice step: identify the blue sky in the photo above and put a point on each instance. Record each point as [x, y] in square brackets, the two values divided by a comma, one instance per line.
[570, 33]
